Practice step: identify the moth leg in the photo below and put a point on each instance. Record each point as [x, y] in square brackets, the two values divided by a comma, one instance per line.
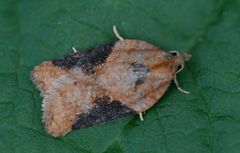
[140, 115]
[74, 49]
[179, 88]
[116, 33]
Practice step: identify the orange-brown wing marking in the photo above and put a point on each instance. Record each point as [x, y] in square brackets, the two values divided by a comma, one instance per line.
[134, 45]
[135, 51]
[155, 85]
[44, 74]
[67, 97]
[144, 103]
[128, 82]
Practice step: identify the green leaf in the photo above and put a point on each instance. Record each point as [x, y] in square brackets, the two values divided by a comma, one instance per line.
[207, 120]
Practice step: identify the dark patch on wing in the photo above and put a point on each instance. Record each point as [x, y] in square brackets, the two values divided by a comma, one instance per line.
[86, 59]
[104, 111]
[141, 71]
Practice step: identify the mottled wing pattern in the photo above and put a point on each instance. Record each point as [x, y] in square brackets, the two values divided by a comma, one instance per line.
[101, 84]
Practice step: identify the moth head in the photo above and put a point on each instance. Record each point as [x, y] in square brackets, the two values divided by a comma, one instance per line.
[179, 60]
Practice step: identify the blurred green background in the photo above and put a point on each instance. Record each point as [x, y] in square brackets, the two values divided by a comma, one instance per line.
[207, 120]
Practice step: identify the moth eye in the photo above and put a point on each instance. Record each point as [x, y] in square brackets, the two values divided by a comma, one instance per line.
[179, 67]
[174, 54]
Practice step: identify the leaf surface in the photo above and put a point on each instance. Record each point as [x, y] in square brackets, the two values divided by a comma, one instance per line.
[207, 120]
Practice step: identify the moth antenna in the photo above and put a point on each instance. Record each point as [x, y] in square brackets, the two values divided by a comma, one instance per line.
[74, 49]
[116, 33]
[140, 115]
[179, 88]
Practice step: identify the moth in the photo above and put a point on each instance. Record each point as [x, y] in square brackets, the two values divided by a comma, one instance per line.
[104, 83]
